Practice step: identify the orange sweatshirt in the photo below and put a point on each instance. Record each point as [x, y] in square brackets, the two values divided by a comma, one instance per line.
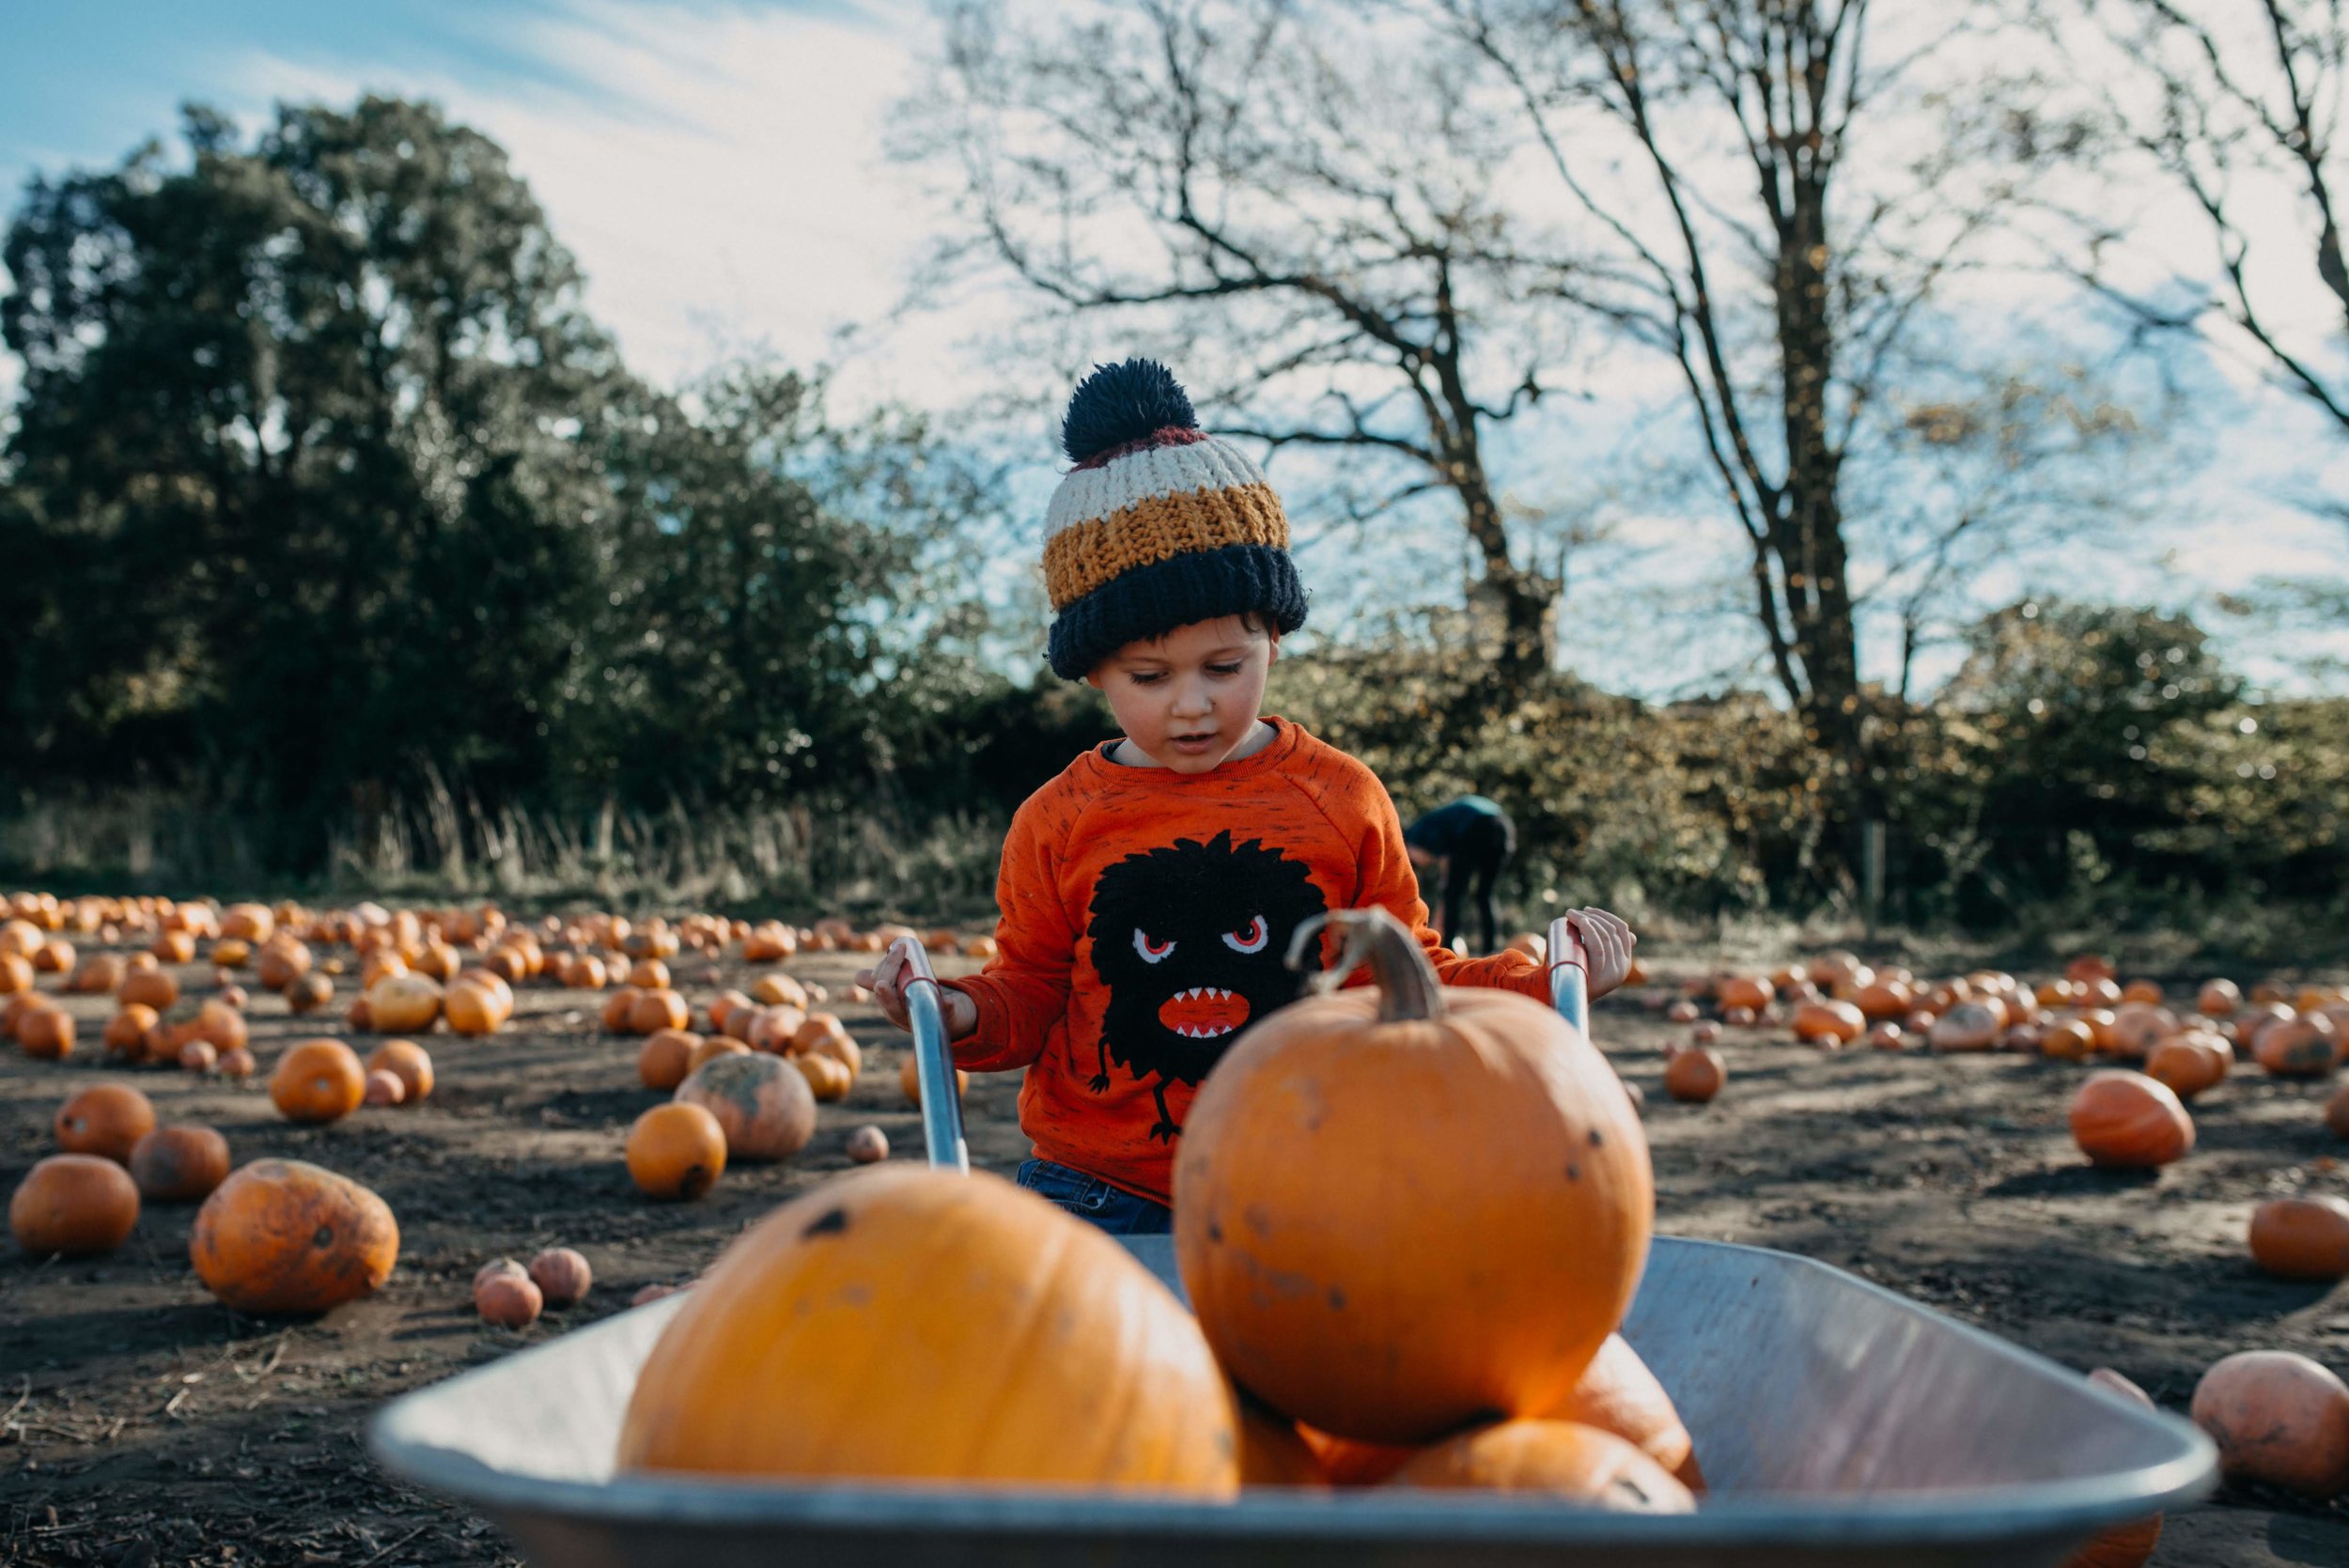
[1145, 914]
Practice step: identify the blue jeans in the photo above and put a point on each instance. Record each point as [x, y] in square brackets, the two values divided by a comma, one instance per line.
[1095, 1200]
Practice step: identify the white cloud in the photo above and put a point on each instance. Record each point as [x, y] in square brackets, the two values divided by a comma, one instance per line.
[719, 173]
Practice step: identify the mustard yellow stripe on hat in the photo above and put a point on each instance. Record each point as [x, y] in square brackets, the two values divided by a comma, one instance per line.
[1084, 555]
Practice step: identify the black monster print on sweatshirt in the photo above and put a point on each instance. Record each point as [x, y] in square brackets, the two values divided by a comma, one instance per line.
[1189, 940]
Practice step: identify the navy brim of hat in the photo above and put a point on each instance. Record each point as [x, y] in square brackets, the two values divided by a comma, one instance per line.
[1150, 601]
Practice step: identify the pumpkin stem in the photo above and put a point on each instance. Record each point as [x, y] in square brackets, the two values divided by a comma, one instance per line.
[1408, 987]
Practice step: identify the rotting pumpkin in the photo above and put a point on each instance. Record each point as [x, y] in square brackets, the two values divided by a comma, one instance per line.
[284, 1235]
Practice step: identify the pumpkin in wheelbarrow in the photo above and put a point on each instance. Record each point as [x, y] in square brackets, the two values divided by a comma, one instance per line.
[1473, 1132]
[906, 1323]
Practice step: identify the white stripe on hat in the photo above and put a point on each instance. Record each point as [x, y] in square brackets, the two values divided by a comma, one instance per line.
[1088, 493]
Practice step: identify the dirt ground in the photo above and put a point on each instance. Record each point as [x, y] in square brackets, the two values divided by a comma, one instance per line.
[141, 1422]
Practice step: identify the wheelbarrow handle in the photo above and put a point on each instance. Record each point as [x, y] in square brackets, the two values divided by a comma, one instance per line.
[1569, 974]
[941, 1107]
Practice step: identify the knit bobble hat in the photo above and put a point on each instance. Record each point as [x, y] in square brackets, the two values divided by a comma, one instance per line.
[1160, 524]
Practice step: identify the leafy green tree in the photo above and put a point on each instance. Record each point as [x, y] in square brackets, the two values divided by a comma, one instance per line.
[302, 423]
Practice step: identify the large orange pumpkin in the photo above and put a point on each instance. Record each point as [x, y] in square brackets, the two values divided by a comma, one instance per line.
[179, 1164]
[105, 1120]
[2126, 1119]
[676, 1151]
[2279, 1418]
[764, 1105]
[1558, 1458]
[2302, 1238]
[1458, 1127]
[318, 1081]
[837, 1340]
[283, 1235]
[74, 1206]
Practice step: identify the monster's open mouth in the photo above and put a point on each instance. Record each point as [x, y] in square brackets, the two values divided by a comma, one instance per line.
[1204, 1012]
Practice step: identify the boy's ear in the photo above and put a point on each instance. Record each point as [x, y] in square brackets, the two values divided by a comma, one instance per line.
[1093, 678]
[1272, 646]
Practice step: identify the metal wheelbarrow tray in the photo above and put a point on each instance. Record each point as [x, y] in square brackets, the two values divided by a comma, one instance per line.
[1837, 1423]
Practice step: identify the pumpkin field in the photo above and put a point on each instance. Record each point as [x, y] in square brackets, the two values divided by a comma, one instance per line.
[1928, 1134]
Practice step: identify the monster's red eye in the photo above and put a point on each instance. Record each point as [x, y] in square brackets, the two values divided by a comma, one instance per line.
[1154, 952]
[1249, 938]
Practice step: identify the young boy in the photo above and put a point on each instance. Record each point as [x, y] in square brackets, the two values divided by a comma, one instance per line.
[1148, 894]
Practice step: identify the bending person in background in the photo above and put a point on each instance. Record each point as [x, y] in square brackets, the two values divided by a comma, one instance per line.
[1472, 838]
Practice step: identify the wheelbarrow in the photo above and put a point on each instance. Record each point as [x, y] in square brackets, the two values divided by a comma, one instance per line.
[1838, 1423]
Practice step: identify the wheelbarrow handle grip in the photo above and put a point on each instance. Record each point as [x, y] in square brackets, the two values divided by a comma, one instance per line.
[933, 1064]
[1569, 974]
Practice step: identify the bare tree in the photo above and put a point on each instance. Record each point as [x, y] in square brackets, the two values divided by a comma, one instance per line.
[2246, 99]
[1760, 240]
[1297, 200]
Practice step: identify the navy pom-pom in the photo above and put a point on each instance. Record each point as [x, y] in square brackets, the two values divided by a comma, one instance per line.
[1119, 403]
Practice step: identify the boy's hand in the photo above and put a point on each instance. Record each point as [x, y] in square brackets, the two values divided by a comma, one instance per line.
[1606, 944]
[886, 980]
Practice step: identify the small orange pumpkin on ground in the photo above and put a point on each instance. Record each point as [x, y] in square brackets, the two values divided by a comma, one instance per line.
[318, 1081]
[1748, 991]
[653, 1011]
[404, 1003]
[676, 1151]
[1695, 1075]
[1556, 1458]
[2303, 1046]
[2120, 1118]
[765, 1107]
[2218, 999]
[179, 1164]
[1829, 1023]
[473, 1008]
[709, 1049]
[2189, 1063]
[2277, 1418]
[562, 1277]
[827, 1080]
[284, 1235]
[1967, 1027]
[106, 1120]
[238, 1063]
[74, 1206]
[46, 1033]
[126, 1032]
[385, 1087]
[509, 1300]
[2302, 1238]
[408, 1062]
[866, 1145]
[150, 988]
[909, 1080]
[666, 1058]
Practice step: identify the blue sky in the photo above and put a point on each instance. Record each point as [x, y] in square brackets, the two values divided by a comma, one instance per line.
[718, 167]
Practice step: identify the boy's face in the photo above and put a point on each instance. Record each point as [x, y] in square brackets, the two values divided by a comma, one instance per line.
[1190, 698]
